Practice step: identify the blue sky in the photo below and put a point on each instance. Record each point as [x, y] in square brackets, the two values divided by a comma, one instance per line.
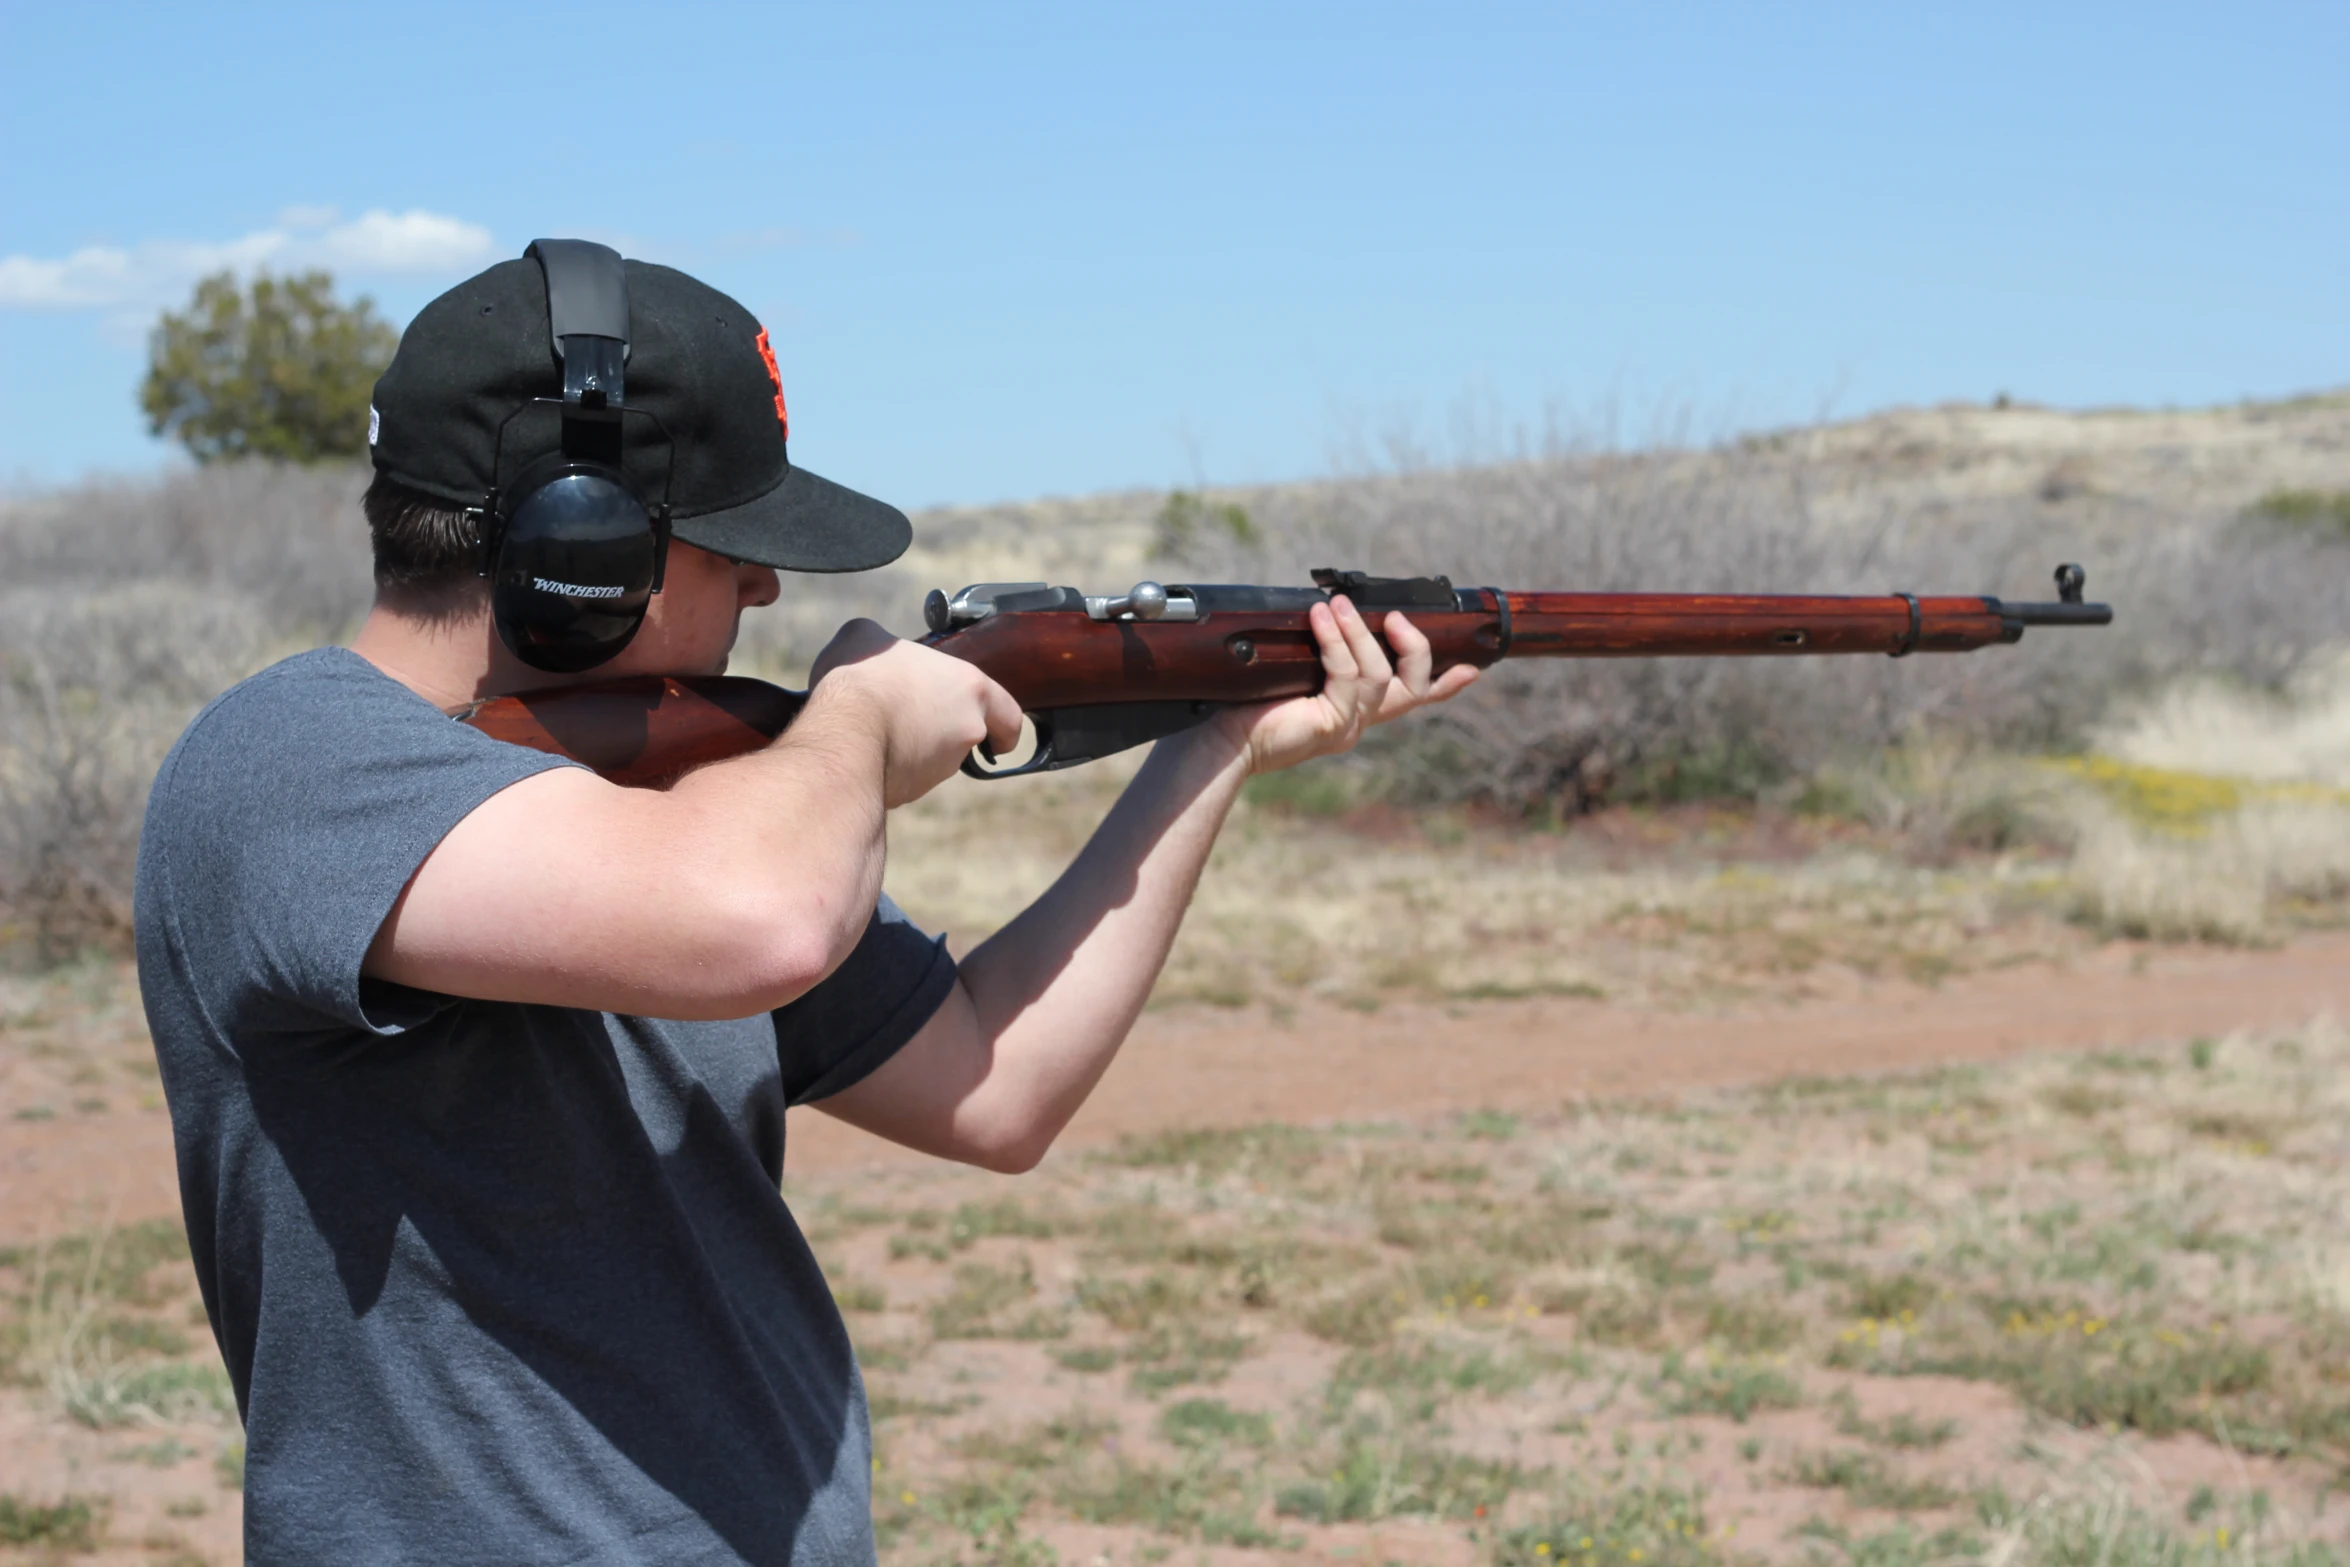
[1026, 249]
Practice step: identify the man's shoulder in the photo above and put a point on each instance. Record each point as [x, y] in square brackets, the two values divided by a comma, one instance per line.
[320, 712]
[324, 735]
[287, 819]
[330, 684]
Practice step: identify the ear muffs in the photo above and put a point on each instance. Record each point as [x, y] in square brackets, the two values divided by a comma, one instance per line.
[573, 549]
[578, 561]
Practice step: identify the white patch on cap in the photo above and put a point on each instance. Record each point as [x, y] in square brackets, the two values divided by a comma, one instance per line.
[375, 424]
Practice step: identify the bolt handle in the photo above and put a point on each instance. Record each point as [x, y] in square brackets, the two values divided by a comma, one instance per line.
[1144, 601]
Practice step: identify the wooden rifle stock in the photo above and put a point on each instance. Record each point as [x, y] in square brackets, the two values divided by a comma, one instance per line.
[642, 729]
[1097, 674]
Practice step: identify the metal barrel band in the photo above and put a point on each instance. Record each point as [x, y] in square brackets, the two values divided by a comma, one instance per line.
[1917, 625]
[1501, 605]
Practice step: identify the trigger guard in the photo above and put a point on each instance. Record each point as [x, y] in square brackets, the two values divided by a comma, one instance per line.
[1042, 761]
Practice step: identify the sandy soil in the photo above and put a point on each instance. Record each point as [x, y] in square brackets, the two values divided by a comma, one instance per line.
[102, 1148]
[1201, 1068]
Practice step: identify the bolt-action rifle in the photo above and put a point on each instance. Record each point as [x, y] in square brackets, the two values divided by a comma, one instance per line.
[1097, 675]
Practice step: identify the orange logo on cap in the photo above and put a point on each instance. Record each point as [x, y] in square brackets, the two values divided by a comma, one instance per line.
[767, 357]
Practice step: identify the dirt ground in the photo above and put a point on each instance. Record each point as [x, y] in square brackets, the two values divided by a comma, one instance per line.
[85, 1151]
[84, 1134]
[1201, 1068]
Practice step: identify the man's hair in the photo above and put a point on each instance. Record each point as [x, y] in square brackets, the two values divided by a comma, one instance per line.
[425, 547]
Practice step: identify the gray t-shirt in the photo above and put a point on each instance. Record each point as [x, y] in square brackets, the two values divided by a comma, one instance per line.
[495, 1283]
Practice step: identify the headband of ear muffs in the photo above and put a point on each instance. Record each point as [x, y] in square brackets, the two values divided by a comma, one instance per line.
[573, 551]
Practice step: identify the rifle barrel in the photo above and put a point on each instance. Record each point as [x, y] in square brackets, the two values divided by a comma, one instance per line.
[2068, 614]
[1733, 625]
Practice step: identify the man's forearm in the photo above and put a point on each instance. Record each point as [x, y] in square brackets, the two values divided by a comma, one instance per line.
[1069, 975]
[1043, 1004]
[802, 820]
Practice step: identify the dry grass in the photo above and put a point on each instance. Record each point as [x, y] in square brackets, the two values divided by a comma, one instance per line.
[2240, 881]
[92, 1328]
[1440, 906]
[2068, 1310]
[2217, 814]
[125, 608]
[2300, 736]
[1925, 862]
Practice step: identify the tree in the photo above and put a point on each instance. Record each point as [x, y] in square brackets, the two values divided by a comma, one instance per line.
[280, 370]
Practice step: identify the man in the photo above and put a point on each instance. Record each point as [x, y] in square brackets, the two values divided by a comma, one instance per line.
[478, 1064]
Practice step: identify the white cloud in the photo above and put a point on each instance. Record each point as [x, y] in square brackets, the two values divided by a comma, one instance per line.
[97, 276]
[87, 277]
[154, 273]
[412, 241]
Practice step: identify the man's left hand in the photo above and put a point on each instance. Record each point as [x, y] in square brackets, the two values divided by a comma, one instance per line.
[1359, 688]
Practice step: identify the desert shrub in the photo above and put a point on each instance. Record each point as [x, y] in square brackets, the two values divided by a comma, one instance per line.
[126, 607]
[2205, 727]
[285, 543]
[1736, 1388]
[2325, 512]
[71, 1524]
[1381, 1473]
[2212, 886]
[1649, 1526]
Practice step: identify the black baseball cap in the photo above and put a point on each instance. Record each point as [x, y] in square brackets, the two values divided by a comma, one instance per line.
[701, 368]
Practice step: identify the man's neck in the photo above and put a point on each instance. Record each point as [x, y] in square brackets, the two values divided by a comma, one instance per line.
[449, 660]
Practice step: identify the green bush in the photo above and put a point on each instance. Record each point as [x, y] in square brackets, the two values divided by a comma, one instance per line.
[2323, 512]
[70, 1524]
[1378, 1475]
[1735, 1388]
[1188, 520]
[280, 370]
[1636, 1526]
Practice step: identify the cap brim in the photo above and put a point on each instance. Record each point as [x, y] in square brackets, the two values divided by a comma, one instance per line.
[806, 523]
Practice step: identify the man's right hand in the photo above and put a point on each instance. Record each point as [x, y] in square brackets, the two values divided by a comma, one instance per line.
[928, 708]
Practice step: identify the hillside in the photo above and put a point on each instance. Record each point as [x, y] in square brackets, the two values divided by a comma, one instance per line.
[1955, 458]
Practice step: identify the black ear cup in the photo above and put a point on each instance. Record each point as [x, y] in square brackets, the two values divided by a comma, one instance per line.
[577, 562]
[573, 552]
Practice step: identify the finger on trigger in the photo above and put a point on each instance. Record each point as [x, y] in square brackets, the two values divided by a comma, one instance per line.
[1003, 718]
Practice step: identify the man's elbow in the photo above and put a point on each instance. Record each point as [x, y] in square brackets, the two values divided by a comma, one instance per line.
[776, 949]
[1012, 1140]
[1016, 1155]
